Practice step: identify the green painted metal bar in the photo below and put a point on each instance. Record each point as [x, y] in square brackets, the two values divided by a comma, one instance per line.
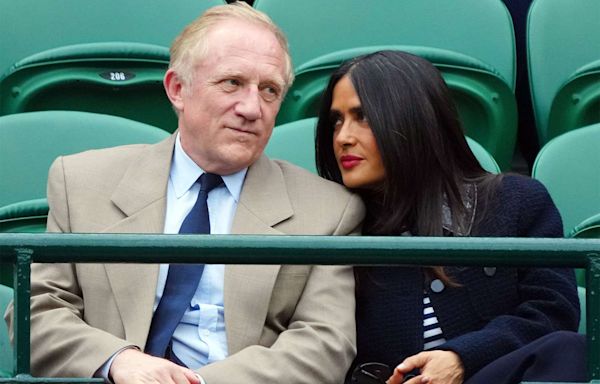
[27, 379]
[22, 249]
[22, 294]
[356, 250]
[593, 315]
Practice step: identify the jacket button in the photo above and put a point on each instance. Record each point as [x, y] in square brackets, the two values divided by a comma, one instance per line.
[489, 271]
[437, 286]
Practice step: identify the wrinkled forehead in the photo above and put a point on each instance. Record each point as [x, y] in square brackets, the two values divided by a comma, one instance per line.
[236, 47]
[245, 39]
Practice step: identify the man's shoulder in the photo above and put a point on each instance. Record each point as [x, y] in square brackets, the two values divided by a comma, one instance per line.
[320, 201]
[300, 178]
[111, 155]
[101, 169]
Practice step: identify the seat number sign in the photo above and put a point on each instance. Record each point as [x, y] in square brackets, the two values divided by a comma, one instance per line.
[117, 76]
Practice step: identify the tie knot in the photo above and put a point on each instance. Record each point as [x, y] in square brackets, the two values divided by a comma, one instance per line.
[209, 181]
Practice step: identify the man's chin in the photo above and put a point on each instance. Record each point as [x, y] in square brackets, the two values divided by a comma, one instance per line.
[234, 160]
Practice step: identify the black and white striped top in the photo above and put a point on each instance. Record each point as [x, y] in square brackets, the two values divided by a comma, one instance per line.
[432, 333]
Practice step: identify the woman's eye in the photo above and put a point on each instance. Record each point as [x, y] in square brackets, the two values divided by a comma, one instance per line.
[336, 122]
[360, 116]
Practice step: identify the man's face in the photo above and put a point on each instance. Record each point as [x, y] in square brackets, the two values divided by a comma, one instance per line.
[227, 113]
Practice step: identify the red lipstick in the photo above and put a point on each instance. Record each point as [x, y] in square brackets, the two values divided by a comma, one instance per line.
[350, 161]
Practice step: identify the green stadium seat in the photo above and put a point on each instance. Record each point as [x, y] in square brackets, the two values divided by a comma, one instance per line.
[6, 352]
[485, 102]
[32, 26]
[486, 160]
[481, 29]
[563, 50]
[27, 216]
[115, 78]
[29, 143]
[577, 102]
[569, 167]
[295, 142]
[588, 228]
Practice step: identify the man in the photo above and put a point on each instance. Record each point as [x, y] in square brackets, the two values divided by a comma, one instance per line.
[244, 324]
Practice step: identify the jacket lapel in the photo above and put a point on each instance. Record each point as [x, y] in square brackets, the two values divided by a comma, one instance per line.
[143, 200]
[141, 196]
[142, 191]
[248, 288]
[264, 201]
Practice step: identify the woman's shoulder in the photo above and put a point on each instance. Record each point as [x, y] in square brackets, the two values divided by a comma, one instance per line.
[525, 204]
[522, 185]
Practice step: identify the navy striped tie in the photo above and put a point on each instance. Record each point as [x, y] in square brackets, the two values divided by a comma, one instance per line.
[183, 279]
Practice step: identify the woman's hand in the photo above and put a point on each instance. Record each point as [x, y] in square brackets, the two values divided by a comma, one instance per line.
[437, 367]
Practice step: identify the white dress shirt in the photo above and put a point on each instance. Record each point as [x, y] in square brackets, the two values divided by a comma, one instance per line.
[200, 338]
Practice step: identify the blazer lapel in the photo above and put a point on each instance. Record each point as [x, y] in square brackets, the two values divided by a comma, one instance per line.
[134, 288]
[141, 196]
[264, 202]
[142, 192]
[247, 295]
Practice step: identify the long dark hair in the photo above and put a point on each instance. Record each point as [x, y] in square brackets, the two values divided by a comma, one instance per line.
[427, 160]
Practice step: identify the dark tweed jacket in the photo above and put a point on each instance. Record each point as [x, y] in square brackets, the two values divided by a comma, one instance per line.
[492, 312]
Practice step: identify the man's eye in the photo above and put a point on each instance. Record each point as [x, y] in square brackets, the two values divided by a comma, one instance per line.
[270, 93]
[231, 84]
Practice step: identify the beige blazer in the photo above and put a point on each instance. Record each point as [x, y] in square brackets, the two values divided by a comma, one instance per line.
[285, 324]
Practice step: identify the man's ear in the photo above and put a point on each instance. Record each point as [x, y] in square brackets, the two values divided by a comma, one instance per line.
[174, 88]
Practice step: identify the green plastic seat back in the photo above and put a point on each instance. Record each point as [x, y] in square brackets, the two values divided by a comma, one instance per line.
[27, 216]
[485, 102]
[569, 167]
[32, 26]
[486, 160]
[6, 351]
[295, 142]
[588, 228]
[115, 78]
[478, 28]
[563, 38]
[577, 102]
[29, 142]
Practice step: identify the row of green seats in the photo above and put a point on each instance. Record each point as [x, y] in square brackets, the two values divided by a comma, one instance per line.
[115, 65]
[568, 165]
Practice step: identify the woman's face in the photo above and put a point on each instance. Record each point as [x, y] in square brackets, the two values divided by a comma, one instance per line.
[354, 145]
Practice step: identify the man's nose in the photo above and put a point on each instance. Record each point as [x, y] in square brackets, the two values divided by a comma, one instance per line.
[249, 106]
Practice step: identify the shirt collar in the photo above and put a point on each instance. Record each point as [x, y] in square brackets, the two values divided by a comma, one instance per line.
[185, 172]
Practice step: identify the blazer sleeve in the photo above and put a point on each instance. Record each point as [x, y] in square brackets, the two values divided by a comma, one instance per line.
[62, 343]
[548, 296]
[319, 343]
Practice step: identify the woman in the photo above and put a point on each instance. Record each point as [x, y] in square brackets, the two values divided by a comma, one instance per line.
[389, 130]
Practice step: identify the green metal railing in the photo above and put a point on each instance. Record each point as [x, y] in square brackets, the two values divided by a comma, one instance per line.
[21, 250]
